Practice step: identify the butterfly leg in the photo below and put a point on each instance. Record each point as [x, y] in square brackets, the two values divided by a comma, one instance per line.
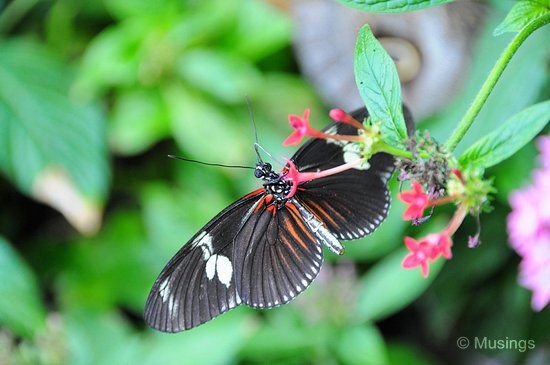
[319, 229]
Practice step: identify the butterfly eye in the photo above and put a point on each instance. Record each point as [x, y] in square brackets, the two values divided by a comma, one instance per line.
[259, 172]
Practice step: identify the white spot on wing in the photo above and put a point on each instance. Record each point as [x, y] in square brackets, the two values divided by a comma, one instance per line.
[304, 282]
[211, 267]
[204, 241]
[219, 265]
[232, 302]
[224, 269]
[164, 290]
[172, 305]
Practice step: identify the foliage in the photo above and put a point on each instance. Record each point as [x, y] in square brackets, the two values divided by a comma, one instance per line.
[392, 6]
[378, 84]
[509, 138]
[101, 92]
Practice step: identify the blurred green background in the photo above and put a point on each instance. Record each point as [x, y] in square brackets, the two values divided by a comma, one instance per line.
[95, 94]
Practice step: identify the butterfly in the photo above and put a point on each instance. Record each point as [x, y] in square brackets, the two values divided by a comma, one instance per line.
[266, 248]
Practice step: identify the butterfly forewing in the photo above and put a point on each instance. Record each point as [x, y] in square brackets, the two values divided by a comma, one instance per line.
[198, 283]
[279, 256]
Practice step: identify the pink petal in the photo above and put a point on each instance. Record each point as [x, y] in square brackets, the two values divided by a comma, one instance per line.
[296, 121]
[410, 261]
[411, 244]
[425, 269]
[337, 115]
[294, 139]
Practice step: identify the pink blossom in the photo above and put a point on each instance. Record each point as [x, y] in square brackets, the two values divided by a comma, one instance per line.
[543, 143]
[338, 115]
[301, 128]
[428, 248]
[529, 230]
[417, 200]
[419, 255]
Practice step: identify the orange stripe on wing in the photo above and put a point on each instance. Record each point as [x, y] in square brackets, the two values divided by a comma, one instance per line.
[298, 219]
[291, 248]
[272, 209]
[253, 193]
[322, 211]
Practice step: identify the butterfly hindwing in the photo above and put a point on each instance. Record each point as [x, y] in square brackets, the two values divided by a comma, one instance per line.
[278, 256]
[352, 203]
[198, 283]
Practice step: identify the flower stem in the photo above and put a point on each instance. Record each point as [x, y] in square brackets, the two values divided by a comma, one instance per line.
[384, 147]
[457, 219]
[492, 79]
[338, 137]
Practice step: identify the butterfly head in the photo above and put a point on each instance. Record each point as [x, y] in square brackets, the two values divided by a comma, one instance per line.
[265, 172]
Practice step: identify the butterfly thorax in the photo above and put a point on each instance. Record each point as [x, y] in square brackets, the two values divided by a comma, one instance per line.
[274, 184]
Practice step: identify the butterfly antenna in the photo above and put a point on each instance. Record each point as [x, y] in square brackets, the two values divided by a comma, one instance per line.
[210, 164]
[256, 143]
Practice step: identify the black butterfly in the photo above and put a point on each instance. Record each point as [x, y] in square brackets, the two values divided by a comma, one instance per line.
[266, 248]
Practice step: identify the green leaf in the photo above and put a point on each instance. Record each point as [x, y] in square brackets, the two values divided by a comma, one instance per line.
[222, 75]
[282, 336]
[113, 58]
[255, 38]
[399, 353]
[100, 338]
[362, 345]
[509, 138]
[139, 119]
[387, 287]
[392, 6]
[205, 129]
[47, 140]
[229, 333]
[521, 14]
[379, 87]
[21, 309]
[116, 267]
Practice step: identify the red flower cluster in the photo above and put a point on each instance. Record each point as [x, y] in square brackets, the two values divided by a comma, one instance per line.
[428, 248]
[303, 129]
[433, 245]
[417, 200]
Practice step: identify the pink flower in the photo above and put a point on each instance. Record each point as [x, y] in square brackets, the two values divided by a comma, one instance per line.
[420, 253]
[535, 276]
[301, 128]
[338, 115]
[417, 200]
[428, 248]
[529, 230]
[543, 143]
